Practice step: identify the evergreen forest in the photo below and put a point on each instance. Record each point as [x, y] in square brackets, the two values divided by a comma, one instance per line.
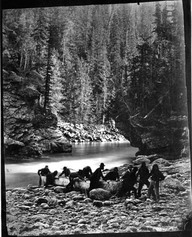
[101, 64]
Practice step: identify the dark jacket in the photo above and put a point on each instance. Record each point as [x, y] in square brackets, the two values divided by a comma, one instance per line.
[143, 173]
[156, 175]
[66, 172]
[50, 178]
[97, 175]
[126, 175]
[133, 177]
[44, 171]
[112, 175]
[87, 172]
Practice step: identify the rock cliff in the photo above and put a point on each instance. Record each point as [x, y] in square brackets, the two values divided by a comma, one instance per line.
[30, 131]
[166, 136]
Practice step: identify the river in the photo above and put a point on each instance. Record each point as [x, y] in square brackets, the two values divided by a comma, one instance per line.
[22, 173]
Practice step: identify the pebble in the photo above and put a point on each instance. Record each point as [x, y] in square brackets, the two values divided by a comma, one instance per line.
[52, 212]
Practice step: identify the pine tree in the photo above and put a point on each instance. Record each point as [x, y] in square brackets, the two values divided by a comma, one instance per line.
[40, 37]
[56, 84]
[48, 73]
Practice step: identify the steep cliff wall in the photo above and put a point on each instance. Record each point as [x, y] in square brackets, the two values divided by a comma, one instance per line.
[28, 129]
[168, 136]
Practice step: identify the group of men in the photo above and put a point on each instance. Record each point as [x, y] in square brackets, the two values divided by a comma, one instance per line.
[141, 175]
[129, 179]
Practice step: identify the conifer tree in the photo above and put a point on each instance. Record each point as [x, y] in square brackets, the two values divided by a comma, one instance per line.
[40, 37]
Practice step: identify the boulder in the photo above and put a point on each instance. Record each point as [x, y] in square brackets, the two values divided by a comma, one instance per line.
[99, 194]
[154, 134]
[81, 185]
[170, 170]
[140, 159]
[31, 150]
[11, 142]
[60, 147]
[153, 157]
[161, 162]
[172, 183]
[12, 146]
[112, 186]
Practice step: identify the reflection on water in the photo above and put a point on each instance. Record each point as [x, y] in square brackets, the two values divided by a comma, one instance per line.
[92, 154]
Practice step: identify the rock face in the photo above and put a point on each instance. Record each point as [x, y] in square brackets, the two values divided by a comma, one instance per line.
[25, 122]
[168, 136]
[30, 131]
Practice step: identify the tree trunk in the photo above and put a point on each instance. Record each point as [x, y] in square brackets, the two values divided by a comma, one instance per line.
[48, 77]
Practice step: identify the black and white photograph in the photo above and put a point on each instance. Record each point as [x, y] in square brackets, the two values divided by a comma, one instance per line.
[95, 119]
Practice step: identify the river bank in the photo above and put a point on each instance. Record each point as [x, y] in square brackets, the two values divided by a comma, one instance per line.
[33, 212]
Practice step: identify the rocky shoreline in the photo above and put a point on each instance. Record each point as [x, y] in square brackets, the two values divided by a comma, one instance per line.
[38, 211]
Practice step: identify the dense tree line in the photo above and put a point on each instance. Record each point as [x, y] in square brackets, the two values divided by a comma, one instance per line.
[101, 61]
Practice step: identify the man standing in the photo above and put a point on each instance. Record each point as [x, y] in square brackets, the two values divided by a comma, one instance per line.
[143, 175]
[156, 176]
[42, 175]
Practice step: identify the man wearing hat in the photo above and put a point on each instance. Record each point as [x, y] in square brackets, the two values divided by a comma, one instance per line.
[94, 180]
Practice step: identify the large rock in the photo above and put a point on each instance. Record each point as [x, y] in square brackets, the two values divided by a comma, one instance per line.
[140, 159]
[154, 134]
[12, 146]
[60, 147]
[172, 183]
[153, 157]
[112, 186]
[161, 162]
[81, 185]
[31, 150]
[99, 194]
